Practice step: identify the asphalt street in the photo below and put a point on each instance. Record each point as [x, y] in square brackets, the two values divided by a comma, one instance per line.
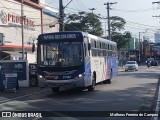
[129, 91]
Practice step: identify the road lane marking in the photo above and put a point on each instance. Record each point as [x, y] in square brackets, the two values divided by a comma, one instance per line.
[8, 100]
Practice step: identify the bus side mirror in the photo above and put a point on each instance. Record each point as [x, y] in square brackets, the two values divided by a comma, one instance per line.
[89, 46]
[33, 47]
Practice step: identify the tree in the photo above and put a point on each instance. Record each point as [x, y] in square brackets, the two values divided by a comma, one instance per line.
[117, 24]
[122, 40]
[87, 22]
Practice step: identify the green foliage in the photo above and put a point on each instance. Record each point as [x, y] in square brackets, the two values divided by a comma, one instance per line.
[117, 24]
[122, 40]
[87, 22]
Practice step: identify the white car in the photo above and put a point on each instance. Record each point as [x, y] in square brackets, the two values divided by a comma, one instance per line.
[131, 65]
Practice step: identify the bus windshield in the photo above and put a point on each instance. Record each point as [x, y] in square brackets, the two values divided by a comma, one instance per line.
[62, 54]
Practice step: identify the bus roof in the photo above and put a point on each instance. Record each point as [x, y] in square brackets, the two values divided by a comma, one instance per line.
[100, 38]
[70, 36]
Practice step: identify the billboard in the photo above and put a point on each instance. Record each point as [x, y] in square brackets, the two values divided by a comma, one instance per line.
[16, 66]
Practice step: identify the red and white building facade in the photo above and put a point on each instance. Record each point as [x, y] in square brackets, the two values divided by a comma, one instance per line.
[35, 22]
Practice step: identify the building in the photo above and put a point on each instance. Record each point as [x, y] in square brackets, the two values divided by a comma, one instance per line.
[50, 18]
[36, 20]
[130, 52]
[155, 51]
[157, 37]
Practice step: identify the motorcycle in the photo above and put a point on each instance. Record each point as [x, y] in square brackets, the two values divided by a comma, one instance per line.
[148, 65]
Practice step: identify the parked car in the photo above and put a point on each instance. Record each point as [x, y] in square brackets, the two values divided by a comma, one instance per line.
[151, 62]
[131, 65]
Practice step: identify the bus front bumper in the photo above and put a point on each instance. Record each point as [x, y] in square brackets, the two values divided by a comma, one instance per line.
[65, 83]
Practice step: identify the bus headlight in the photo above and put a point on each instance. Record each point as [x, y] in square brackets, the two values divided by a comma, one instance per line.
[40, 76]
[80, 75]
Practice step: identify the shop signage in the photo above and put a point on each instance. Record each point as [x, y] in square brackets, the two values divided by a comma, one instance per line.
[18, 67]
[12, 20]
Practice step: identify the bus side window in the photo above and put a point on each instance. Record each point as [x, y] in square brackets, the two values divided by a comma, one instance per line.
[86, 50]
[87, 46]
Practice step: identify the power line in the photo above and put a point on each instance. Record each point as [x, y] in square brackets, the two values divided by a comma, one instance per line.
[142, 10]
[144, 25]
[80, 10]
[126, 21]
[141, 24]
[82, 4]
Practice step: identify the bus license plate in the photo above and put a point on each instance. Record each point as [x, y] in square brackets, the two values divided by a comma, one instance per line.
[58, 84]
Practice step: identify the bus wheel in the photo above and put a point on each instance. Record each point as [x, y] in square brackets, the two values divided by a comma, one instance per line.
[105, 81]
[55, 89]
[91, 87]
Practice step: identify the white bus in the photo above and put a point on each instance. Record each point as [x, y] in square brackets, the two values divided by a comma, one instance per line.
[75, 60]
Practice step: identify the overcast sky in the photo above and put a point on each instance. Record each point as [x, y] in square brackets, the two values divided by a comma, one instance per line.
[137, 13]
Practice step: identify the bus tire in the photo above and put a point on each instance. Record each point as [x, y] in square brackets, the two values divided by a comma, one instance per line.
[55, 89]
[105, 81]
[91, 87]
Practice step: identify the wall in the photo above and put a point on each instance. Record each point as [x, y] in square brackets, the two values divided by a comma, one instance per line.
[50, 24]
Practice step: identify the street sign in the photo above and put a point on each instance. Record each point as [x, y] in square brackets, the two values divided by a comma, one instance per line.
[17, 66]
[11, 82]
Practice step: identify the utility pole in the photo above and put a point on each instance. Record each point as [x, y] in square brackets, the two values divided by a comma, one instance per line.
[22, 27]
[92, 9]
[61, 15]
[108, 15]
[140, 46]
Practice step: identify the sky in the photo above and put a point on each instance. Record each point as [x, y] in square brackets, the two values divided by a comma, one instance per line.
[137, 13]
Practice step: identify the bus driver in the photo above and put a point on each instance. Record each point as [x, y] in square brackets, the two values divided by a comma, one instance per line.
[61, 61]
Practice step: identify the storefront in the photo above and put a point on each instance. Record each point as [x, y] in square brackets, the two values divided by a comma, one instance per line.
[11, 31]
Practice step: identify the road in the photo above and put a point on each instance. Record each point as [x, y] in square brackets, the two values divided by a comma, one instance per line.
[129, 91]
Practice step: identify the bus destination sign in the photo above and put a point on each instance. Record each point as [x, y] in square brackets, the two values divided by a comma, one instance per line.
[59, 36]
